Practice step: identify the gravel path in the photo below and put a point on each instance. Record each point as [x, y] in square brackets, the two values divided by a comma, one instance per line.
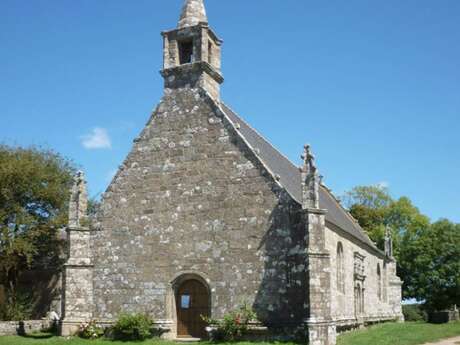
[451, 341]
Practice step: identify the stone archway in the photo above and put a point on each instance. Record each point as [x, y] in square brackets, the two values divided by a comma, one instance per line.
[192, 299]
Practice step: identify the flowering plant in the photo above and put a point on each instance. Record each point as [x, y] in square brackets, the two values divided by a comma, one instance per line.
[234, 325]
[90, 330]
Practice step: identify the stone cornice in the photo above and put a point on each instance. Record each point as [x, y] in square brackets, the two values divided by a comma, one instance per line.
[211, 32]
[319, 321]
[78, 265]
[318, 255]
[79, 228]
[192, 68]
[317, 211]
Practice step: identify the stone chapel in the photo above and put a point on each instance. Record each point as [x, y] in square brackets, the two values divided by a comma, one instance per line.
[205, 214]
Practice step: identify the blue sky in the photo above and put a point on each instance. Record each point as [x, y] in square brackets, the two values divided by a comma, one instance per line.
[374, 86]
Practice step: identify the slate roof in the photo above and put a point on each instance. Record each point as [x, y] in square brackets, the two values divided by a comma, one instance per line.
[290, 178]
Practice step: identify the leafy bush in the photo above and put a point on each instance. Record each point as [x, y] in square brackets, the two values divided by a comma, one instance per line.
[34, 185]
[133, 327]
[90, 330]
[17, 308]
[233, 326]
[413, 312]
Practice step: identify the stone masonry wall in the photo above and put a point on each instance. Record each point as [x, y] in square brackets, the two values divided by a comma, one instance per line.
[29, 326]
[78, 281]
[79, 293]
[343, 305]
[191, 198]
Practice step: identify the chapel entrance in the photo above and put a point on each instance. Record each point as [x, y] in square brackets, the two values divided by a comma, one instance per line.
[192, 302]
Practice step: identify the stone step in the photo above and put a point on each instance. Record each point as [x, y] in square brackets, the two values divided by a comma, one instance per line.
[187, 340]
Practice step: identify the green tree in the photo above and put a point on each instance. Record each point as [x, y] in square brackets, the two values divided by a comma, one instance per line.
[370, 206]
[372, 197]
[375, 210]
[432, 265]
[34, 193]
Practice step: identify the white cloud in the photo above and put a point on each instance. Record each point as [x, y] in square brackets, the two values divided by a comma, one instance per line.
[98, 138]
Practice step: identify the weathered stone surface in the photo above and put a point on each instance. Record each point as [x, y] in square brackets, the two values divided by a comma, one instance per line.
[20, 327]
[344, 309]
[203, 69]
[193, 13]
[78, 205]
[78, 271]
[310, 180]
[191, 197]
[318, 318]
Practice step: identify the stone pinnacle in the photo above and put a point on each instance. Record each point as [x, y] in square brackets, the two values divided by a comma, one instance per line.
[193, 13]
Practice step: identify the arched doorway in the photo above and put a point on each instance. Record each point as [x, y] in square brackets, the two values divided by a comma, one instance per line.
[192, 302]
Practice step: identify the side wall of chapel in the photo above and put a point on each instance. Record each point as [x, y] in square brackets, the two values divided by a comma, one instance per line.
[377, 306]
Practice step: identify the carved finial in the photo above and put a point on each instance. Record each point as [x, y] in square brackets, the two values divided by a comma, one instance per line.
[78, 205]
[388, 232]
[311, 180]
[193, 13]
[388, 242]
[309, 164]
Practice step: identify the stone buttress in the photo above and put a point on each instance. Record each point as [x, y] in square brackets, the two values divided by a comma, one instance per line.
[321, 329]
[394, 283]
[78, 271]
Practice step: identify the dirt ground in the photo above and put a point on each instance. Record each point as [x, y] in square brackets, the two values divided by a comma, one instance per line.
[451, 341]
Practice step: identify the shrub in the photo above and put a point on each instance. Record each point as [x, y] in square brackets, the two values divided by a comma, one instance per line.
[233, 326]
[90, 330]
[413, 312]
[133, 327]
[18, 308]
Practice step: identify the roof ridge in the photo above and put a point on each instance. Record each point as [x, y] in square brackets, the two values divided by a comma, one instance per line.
[323, 187]
[349, 215]
[248, 144]
[273, 146]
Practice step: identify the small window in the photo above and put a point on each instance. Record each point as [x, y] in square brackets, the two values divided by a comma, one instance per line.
[185, 301]
[379, 283]
[186, 52]
[340, 269]
[384, 282]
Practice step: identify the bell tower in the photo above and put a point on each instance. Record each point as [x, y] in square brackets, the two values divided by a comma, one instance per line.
[192, 52]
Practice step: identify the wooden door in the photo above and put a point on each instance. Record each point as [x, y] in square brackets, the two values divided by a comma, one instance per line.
[192, 301]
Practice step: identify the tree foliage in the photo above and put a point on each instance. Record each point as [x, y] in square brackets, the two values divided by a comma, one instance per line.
[34, 192]
[376, 210]
[432, 265]
[428, 255]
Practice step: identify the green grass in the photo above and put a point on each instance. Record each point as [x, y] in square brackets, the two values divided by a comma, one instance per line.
[409, 333]
[48, 339]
